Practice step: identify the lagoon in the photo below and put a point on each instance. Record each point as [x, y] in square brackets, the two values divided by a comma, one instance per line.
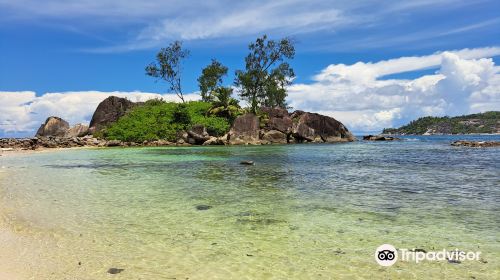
[311, 211]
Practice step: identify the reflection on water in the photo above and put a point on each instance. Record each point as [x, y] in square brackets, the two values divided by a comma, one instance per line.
[301, 212]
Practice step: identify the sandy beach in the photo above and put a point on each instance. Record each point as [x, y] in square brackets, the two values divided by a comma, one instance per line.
[17, 152]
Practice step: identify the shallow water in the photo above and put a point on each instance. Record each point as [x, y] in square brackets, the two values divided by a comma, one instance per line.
[301, 212]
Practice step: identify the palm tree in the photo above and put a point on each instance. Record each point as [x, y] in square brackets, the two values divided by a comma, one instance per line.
[224, 105]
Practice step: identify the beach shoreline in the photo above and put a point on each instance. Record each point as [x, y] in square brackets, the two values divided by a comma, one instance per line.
[18, 152]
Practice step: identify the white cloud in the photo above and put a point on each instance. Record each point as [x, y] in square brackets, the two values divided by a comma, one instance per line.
[466, 82]
[23, 112]
[152, 23]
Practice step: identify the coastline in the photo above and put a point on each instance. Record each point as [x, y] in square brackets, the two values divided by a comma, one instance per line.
[18, 152]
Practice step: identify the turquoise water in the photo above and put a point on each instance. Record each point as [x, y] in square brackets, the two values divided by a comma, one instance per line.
[301, 212]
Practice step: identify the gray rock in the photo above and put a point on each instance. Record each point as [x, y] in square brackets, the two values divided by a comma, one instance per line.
[275, 137]
[245, 130]
[108, 112]
[79, 130]
[379, 138]
[113, 143]
[53, 126]
[199, 134]
[278, 119]
[312, 127]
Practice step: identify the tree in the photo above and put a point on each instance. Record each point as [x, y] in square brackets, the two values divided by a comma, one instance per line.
[223, 104]
[259, 83]
[168, 66]
[211, 79]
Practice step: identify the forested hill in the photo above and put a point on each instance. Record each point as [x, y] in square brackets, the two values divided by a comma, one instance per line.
[488, 122]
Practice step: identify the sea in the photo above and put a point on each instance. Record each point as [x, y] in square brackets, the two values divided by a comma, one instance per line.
[305, 211]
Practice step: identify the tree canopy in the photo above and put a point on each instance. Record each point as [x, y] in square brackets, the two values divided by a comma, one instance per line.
[211, 79]
[168, 66]
[266, 74]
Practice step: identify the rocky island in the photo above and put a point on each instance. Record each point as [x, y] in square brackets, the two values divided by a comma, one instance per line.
[270, 126]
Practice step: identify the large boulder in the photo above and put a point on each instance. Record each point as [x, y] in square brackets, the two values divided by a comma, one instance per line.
[53, 126]
[312, 127]
[245, 130]
[274, 137]
[79, 130]
[198, 133]
[108, 112]
[278, 119]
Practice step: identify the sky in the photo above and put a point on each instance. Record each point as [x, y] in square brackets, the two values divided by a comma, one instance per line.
[369, 64]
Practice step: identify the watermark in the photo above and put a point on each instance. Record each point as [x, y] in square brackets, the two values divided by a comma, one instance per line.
[387, 255]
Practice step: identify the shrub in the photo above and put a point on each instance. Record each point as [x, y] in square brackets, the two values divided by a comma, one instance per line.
[157, 119]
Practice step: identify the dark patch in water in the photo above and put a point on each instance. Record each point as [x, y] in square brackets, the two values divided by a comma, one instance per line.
[409, 191]
[203, 207]
[262, 221]
[339, 252]
[115, 270]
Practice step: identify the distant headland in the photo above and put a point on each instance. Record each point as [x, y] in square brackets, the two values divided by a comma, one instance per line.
[482, 123]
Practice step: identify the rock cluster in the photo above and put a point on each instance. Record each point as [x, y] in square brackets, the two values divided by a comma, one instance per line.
[273, 126]
[277, 126]
[57, 127]
[379, 138]
[476, 144]
[63, 142]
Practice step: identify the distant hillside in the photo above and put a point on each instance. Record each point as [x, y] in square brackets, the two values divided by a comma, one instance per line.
[488, 122]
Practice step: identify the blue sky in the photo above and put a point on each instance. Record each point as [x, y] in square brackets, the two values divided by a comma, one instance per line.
[56, 46]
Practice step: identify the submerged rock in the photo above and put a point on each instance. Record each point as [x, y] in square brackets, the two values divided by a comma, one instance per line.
[203, 207]
[247, 162]
[477, 144]
[115, 270]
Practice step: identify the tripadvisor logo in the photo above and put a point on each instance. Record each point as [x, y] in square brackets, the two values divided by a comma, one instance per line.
[387, 255]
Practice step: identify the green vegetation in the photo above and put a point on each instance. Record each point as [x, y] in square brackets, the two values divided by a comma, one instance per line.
[211, 80]
[223, 105]
[156, 119]
[210, 83]
[260, 84]
[488, 122]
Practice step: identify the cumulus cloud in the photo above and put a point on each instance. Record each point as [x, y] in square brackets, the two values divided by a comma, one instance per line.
[21, 113]
[465, 82]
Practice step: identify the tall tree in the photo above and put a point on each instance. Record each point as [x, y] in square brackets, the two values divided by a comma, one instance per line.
[211, 79]
[260, 84]
[168, 66]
